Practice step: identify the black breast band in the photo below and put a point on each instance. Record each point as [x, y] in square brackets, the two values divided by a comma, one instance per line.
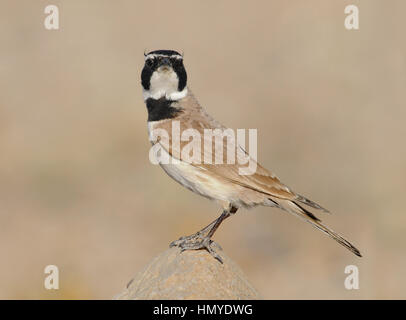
[159, 109]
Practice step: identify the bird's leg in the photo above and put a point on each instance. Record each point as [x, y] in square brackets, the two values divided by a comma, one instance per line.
[202, 238]
[199, 234]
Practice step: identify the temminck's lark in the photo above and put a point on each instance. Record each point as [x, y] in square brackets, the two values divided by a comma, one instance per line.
[168, 98]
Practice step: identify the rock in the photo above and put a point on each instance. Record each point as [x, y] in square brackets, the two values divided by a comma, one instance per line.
[189, 275]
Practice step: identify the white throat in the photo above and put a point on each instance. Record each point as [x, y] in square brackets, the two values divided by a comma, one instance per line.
[174, 95]
[164, 84]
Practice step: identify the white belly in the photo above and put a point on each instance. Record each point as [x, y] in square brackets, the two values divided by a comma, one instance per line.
[196, 180]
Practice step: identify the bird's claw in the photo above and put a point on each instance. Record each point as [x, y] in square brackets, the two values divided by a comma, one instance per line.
[197, 242]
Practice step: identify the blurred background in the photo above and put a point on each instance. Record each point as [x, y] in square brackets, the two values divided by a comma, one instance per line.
[77, 189]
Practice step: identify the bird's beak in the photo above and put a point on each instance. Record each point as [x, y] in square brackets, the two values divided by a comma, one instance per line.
[165, 64]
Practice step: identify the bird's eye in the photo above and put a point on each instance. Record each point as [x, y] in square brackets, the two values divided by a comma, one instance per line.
[149, 62]
[176, 62]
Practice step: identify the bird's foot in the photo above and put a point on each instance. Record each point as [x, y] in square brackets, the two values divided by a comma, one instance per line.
[196, 242]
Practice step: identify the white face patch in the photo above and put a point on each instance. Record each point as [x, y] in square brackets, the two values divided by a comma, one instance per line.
[164, 83]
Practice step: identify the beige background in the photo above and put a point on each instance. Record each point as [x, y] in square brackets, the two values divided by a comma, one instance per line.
[76, 186]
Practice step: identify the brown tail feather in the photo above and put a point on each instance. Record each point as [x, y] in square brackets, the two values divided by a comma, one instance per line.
[336, 237]
[311, 203]
[302, 213]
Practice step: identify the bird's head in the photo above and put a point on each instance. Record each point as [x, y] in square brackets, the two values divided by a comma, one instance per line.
[164, 75]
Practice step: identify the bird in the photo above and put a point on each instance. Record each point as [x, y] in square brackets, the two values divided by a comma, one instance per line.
[169, 101]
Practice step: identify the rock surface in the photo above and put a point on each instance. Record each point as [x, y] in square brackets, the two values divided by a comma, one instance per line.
[189, 275]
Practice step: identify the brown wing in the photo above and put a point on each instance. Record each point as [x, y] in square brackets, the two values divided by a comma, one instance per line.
[214, 157]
